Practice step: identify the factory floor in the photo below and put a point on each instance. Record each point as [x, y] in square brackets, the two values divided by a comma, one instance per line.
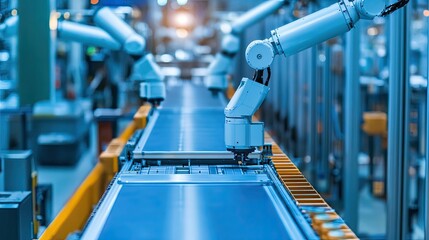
[372, 215]
[66, 179]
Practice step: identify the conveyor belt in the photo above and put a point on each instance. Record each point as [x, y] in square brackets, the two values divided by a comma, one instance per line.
[186, 95]
[166, 200]
[232, 202]
[198, 211]
[193, 130]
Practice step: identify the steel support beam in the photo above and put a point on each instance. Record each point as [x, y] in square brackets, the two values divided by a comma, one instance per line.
[351, 127]
[326, 142]
[35, 52]
[426, 220]
[398, 121]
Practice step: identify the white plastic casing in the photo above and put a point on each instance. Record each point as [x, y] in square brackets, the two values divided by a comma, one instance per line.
[230, 43]
[368, 9]
[247, 99]
[218, 69]
[240, 131]
[260, 54]
[152, 91]
[85, 34]
[119, 30]
[216, 82]
[146, 71]
[242, 134]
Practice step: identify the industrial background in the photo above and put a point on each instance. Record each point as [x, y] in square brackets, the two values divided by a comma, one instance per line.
[116, 119]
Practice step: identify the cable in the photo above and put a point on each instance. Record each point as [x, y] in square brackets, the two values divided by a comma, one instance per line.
[268, 77]
[391, 8]
[259, 76]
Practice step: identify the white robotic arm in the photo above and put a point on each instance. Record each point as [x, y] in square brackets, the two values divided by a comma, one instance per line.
[71, 31]
[218, 69]
[145, 70]
[242, 136]
[116, 35]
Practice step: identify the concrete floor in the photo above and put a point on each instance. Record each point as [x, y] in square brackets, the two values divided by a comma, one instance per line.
[372, 215]
[65, 179]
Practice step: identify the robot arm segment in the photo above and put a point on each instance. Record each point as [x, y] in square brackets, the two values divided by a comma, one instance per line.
[218, 69]
[145, 70]
[77, 32]
[119, 30]
[310, 30]
[255, 15]
[241, 134]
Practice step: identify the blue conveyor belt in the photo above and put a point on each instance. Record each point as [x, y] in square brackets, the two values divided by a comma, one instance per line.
[181, 130]
[190, 96]
[190, 211]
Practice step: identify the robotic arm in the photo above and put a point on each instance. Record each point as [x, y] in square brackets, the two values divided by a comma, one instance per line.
[218, 69]
[69, 31]
[242, 135]
[116, 35]
[145, 70]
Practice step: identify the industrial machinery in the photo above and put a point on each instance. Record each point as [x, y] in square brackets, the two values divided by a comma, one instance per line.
[217, 72]
[242, 136]
[114, 34]
[175, 180]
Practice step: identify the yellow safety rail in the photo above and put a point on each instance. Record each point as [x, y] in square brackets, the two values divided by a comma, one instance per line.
[77, 210]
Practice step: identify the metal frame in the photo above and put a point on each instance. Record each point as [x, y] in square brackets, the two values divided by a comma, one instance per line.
[426, 210]
[398, 120]
[351, 125]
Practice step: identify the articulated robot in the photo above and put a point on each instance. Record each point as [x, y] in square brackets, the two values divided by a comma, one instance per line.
[114, 34]
[218, 69]
[242, 136]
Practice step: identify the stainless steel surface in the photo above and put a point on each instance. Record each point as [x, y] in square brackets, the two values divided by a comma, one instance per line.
[352, 130]
[398, 126]
[191, 155]
[426, 220]
[194, 179]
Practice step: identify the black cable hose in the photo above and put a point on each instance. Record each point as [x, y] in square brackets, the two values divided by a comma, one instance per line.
[269, 76]
[259, 76]
[393, 7]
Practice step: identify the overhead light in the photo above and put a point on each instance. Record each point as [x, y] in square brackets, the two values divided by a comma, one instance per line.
[182, 33]
[183, 19]
[426, 13]
[162, 2]
[182, 2]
